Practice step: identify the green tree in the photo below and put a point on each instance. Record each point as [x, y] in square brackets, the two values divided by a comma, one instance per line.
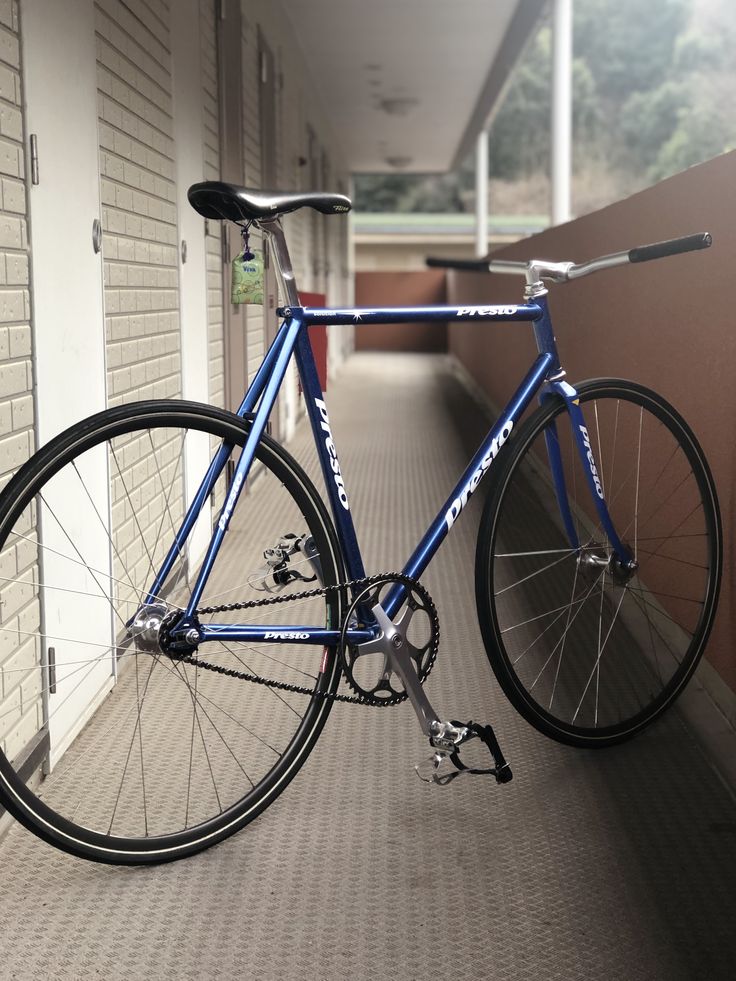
[653, 94]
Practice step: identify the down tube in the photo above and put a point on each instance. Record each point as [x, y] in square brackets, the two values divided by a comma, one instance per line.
[474, 473]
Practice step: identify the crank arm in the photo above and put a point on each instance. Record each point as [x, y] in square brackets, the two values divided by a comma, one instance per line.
[396, 651]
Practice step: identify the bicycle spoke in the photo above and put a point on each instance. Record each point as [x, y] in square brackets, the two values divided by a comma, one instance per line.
[130, 751]
[141, 536]
[562, 638]
[564, 635]
[672, 558]
[598, 661]
[101, 523]
[167, 509]
[83, 565]
[533, 574]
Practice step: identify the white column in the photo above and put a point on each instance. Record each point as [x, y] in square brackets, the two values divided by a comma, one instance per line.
[561, 124]
[481, 194]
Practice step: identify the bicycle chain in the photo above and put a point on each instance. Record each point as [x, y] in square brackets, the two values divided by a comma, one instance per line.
[306, 594]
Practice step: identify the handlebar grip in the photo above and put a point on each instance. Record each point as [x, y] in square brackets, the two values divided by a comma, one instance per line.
[473, 265]
[689, 243]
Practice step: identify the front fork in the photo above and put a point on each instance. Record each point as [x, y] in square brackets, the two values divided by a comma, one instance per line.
[593, 474]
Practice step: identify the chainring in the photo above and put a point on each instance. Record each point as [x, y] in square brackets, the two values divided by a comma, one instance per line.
[369, 675]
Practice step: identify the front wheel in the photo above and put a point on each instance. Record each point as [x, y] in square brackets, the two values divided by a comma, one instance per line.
[111, 749]
[588, 651]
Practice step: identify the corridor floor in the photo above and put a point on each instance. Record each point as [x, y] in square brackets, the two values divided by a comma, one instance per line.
[589, 865]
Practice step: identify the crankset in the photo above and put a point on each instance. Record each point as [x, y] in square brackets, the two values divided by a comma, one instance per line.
[370, 668]
[383, 671]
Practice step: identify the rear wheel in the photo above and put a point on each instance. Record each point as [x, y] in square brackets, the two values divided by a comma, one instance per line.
[589, 652]
[146, 758]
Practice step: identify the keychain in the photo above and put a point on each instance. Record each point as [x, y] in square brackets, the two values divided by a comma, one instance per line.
[247, 279]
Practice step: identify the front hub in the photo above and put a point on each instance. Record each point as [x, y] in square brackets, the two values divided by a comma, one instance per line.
[623, 571]
[595, 558]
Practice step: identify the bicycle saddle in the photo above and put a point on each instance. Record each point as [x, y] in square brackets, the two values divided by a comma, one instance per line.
[216, 199]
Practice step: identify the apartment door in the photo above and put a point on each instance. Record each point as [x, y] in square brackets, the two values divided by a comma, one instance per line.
[69, 345]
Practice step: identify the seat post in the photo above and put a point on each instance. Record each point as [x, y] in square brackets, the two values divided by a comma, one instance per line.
[272, 228]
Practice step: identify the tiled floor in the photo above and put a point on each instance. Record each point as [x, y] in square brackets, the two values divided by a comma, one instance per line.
[613, 865]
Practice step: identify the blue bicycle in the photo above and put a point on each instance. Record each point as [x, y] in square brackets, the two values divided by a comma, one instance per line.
[179, 605]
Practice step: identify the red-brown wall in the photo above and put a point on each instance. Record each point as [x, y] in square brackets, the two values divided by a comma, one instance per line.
[666, 324]
[409, 289]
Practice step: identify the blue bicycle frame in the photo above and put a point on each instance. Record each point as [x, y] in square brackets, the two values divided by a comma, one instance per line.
[545, 374]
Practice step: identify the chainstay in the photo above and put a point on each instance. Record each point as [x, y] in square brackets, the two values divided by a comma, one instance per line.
[273, 600]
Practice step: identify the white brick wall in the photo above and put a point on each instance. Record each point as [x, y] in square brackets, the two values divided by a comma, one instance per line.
[20, 677]
[141, 262]
[138, 195]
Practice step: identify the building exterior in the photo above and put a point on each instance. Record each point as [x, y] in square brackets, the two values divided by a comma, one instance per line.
[401, 243]
[112, 288]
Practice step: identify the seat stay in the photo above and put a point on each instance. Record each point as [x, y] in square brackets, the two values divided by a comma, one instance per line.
[284, 347]
[250, 400]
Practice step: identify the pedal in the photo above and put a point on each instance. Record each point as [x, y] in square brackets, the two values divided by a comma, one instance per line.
[445, 763]
[438, 769]
[277, 572]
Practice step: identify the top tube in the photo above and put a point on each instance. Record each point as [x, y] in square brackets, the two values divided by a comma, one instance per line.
[521, 312]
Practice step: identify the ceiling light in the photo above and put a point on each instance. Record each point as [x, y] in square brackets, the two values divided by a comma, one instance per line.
[399, 162]
[399, 106]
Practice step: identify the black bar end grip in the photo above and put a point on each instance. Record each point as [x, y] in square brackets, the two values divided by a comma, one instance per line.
[690, 243]
[472, 265]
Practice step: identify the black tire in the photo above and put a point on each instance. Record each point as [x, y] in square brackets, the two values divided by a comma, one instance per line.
[586, 653]
[171, 758]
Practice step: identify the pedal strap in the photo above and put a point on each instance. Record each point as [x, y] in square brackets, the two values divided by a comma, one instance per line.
[501, 771]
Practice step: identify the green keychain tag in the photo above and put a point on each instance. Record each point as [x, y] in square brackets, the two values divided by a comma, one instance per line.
[247, 280]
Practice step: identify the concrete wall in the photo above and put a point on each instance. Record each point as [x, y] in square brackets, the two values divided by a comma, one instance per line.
[665, 324]
[413, 289]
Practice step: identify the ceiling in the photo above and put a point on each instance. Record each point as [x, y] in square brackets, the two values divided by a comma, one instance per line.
[409, 84]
